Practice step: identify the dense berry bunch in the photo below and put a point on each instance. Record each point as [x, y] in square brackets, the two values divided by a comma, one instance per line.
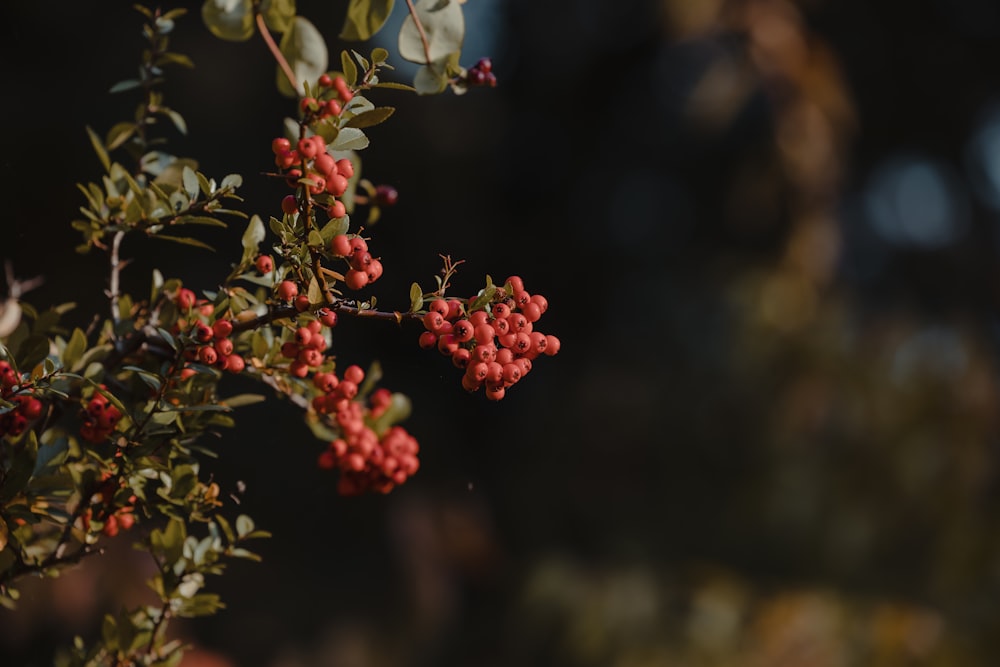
[306, 350]
[100, 418]
[365, 269]
[481, 74]
[213, 346]
[102, 507]
[496, 342]
[366, 461]
[26, 407]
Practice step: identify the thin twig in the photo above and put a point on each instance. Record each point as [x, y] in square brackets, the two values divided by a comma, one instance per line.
[114, 291]
[276, 51]
[420, 29]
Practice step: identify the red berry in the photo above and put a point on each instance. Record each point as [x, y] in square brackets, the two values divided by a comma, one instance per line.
[207, 355]
[289, 205]
[516, 283]
[224, 347]
[264, 264]
[325, 164]
[325, 80]
[31, 408]
[287, 290]
[439, 306]
[306, 103]
[340, 245]
[336, 185]
[289, 350]
[327, 460]
[354, 374]
[303, 335]
[531, 311]
[185, 299]
[328, 317]
[356, 279]
[501, 311]
[345, 167]
[325, 382]
[495, 393]
[433, 321]
[552, 345]
[358, 244]
[302, 303]
[463, 330]
[235, 363]
[337, 209]
[298, 369]
[332, 108]
[461, 357]
[374, 270]
[222, 328]
[280, 145]
[427, 340]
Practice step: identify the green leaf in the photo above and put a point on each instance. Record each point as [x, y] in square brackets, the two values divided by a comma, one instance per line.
[444, 25]
[305, 50]
[119, 134]
[152, 379]
[395, 86]
[334, 227]
[349, 68]
[200, 220]
[184, 240]
[75, 348]
[229, 19]
[98, 145]
[350, 138]
[416, 298]
[371, 118]
[241, 400]
[122, 86]
[278, 14]
[177, 120]
[379, 56]
[244, 525]
[365, 18]
[315, 239]
[190, 180]
[252, 237]
[32, 351]
[430, 81]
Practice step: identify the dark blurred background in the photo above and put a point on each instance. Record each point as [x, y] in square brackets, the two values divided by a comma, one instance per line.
[768, 232]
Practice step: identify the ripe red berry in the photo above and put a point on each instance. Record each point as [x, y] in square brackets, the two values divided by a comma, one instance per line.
[325, 80]
[332, 108]
[280, 145]
[207, 355]
[235, 363]
[354, 374]
[345, 167]
[287, 290]
[327, 460]
[307, 103]
[224, 347]
[463, 330]
[531, 311]
[340, 245]
[302, 335]
[301, 303]
[328, 317]
[356, 279]
[427, 340]
[433, 321]
[336, 185]
[289, 350]
[222, 328]
[337, 209]
[325, 382]
[358, 244]
[289, 205]
[516, 283]
[552, 345]
[264, 264]
[31, 408]
[325, 164]
[374, 270]
[185, 298]
[298, 369]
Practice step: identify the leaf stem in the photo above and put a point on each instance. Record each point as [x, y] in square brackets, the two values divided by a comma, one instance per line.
[114, 289]
[420, 29]
[275, 50]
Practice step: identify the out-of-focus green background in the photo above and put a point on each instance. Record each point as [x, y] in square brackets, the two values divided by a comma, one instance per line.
[768, 232]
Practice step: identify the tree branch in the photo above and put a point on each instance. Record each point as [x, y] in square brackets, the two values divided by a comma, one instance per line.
[420, 29]
[275, 50]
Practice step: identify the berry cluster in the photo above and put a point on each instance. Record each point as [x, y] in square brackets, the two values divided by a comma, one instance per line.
[365, 461]
[122, 518]
[496, 343]
[99, 419]
[27, 407]
[306, 350]
[481, 74]
[365, 269]
[215, 348]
